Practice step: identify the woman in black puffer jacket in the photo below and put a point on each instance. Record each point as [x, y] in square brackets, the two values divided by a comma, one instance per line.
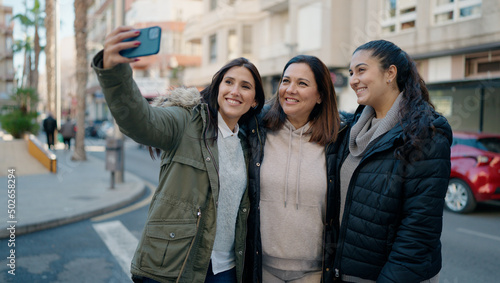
[392, 168]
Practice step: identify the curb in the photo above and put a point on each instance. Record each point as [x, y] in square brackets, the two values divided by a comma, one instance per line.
[21, 229]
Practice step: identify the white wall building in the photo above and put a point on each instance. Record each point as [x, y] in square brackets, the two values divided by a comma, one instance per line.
[456, 45]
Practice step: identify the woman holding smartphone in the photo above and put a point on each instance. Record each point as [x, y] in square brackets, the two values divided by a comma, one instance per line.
[196, 225]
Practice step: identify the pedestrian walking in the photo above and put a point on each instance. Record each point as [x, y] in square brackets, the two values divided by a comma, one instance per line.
[68, 132]
[197, 221]
[49, 126]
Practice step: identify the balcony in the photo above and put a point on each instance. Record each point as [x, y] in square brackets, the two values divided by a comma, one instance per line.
[193, 31]
[274, 6]
[9, 77]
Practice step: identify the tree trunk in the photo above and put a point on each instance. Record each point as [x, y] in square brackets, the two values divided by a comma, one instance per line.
[50, 63]
[37, 56]
[81, 76]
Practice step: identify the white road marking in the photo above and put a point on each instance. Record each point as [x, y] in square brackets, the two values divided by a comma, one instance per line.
[479, 234]
[120, 242]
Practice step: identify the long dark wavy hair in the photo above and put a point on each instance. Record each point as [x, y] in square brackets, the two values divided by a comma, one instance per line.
[417, 111]
[324, 118]
[211, 92]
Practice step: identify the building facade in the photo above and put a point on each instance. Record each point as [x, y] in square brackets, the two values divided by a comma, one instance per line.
[153, 74]
[456, 44]
[7, 71]
[226, 29]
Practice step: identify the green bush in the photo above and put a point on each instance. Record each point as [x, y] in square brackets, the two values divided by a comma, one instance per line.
[17, 123]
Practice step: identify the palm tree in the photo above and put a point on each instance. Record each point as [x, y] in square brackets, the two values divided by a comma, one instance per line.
[81, 8]
[31, 19]
[50, 62]
[26, 47]
[38, 21]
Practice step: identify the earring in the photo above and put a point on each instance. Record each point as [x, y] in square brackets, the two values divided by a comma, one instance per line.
[388, 81]
[255, 107]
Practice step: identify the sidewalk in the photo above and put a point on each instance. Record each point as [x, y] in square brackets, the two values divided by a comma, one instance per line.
[79, 190]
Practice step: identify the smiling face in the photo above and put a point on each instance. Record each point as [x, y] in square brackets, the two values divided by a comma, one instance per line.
[236, 95]
[373, 86]
[298, 93]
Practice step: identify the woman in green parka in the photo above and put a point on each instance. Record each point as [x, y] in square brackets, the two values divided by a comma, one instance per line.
[196, 225]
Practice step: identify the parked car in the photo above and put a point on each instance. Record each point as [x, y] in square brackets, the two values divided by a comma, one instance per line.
[105, 130]
[475, 171]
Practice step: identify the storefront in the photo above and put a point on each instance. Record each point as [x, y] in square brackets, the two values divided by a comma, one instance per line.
[472, 105]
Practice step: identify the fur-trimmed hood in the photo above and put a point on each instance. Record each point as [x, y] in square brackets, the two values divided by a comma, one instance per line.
[181, 96]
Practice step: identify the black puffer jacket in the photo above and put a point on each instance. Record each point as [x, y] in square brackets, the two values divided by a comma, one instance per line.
[256, 135]
[392, 222]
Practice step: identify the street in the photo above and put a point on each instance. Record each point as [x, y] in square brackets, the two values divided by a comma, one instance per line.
[78, 252]
[100, 249]
[471, 245]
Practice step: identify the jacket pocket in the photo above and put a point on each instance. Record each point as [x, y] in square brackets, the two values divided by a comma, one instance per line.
[166, 246]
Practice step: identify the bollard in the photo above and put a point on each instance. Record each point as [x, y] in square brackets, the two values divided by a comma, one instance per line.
[114, 162]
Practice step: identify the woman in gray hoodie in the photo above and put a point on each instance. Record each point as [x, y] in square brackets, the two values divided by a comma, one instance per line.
[289, 223]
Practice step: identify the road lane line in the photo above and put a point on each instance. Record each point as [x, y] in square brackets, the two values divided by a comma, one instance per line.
[479, 234]
[127, 209]
[120, 242]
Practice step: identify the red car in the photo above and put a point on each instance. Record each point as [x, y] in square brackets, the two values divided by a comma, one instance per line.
[475, 171]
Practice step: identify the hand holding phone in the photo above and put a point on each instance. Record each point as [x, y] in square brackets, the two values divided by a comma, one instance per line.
[150, 43]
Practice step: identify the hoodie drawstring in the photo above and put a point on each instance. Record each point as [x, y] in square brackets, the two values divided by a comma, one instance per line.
[298, 167]
[288, 164]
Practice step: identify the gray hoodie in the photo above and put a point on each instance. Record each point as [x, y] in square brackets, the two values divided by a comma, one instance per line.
[293, 200]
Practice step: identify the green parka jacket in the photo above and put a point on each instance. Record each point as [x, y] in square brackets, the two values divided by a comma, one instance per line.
[179, 234]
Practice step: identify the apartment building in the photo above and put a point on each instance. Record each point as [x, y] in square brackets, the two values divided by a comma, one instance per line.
[154, 74]
[7, 72]
[102, 16]
[456, 44]
[226, 29]
[157, 73]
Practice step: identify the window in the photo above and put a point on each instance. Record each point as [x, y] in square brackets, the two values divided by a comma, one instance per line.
[392, 8]
[444, 2]
[213, 5]
[446, 11]
[213, 48]
[9, 44]
[232, 45]
[247, 41]
[8, 18]
[309, 31]
[470, 11]
[399, 15]
[482, 64]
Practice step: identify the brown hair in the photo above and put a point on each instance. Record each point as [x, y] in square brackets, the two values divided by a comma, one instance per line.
[324, 118]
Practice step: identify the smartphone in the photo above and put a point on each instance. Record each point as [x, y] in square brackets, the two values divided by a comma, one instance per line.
[150, 43]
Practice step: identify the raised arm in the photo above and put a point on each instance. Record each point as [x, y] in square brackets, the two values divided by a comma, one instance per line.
[157, 127]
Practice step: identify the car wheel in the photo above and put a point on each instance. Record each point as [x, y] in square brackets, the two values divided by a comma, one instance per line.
[459, 197]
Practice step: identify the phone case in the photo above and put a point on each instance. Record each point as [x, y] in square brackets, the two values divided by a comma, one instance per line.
[150, 43]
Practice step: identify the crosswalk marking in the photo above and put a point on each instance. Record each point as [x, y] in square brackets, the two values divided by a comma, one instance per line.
[120, 242]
